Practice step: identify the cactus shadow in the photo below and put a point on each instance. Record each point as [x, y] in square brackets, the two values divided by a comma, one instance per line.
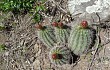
[94, 38]
[66, 27]
[74, 58]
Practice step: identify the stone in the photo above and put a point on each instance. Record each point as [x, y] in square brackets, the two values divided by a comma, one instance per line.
[37, 48]
[36, 64]
[89, 7]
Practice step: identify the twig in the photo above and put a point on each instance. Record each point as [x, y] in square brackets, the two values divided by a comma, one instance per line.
[97, 47]
[106, 43]
[59, 6]
[98, 18]
[97, 44]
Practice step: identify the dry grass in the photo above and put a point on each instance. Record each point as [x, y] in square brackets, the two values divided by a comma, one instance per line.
[24, 51]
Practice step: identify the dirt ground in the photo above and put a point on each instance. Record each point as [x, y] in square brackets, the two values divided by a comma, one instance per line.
[24, 51]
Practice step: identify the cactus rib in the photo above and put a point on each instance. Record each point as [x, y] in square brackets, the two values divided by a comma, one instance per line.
[62, 34]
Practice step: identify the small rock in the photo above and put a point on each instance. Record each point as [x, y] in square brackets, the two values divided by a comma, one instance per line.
[37, 48]
[6, 53]
[36, 64]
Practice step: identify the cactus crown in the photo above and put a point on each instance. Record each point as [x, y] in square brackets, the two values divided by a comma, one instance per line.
[55, 24]
[56, 56]
[84, 24]
[40, 27]
[58, 24]
[61, 25]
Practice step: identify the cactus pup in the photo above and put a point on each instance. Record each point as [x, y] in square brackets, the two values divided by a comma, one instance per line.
[61, 31]
[60, 55]
[46, 35]
[81, 38]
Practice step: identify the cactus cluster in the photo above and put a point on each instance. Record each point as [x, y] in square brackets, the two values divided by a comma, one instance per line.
[78, 39]
[60, 55]
[49, 36]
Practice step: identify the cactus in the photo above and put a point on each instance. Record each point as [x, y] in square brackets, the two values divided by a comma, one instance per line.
[46, 35]
[60, 55]
[62, 32]
[81, 38]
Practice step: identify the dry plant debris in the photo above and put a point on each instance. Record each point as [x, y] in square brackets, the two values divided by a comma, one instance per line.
[24, 50]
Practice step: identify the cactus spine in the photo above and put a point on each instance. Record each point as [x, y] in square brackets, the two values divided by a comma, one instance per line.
[47, 36]
[81, 38]
[60, 55]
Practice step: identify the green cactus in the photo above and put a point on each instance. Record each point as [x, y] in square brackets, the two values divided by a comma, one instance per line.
[81, 38]
[60, 55]
[62, 32]
[47, 36]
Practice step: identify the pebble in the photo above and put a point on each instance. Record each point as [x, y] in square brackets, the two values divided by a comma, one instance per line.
[36, 64]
